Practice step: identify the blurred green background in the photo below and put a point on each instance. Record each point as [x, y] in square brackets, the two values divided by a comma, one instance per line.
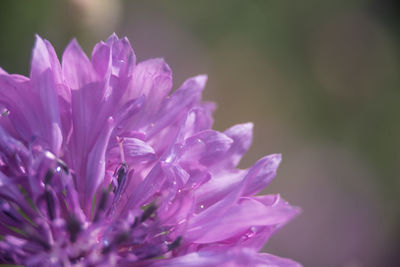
[320, 80]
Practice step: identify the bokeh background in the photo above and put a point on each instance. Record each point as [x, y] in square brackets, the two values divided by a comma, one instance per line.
[320, 80]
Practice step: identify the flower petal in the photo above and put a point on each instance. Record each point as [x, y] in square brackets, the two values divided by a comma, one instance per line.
[18, 98]
[232, 258]
[244, 215]
[101, 59]
[137, 150]
[46, 77]
[76, 67]
[152, 78]
[205, 148]
[250, 181]
[96, 165]
[123, 59]
[176, 107]
[242, 135]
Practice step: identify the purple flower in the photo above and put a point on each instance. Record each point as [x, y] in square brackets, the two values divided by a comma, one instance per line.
[101, 165]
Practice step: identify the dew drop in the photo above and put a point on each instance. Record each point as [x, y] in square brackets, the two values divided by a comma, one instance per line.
[58, 169]
[168, 159]
[4, 112]
[201, 206]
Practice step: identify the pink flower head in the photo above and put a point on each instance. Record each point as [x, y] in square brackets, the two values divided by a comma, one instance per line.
[101, 165]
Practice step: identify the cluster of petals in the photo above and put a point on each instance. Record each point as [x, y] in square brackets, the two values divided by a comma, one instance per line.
[102, 165]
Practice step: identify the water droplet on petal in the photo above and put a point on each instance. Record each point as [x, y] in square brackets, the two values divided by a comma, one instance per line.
[168, 159]
[201, 206]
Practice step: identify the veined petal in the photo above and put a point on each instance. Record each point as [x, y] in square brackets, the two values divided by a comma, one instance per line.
[175, 108]
[76, 67]
[266, 172]
[137, 150]
[123, 59]
[96, 164]
[198, 119]
[205, 147]
[45, 78]
[250, 181]
[101, 59]
[247, 213]
[150, 186]
[17, 96]
[152, 78]
[242, 135]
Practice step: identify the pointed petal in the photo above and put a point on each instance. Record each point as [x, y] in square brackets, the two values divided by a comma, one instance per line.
[152, 78]
[176, 107]
[199, 119]
[205, 148]
[101, 59]
[96, 164]
[266, 169]
[246, 214]
[76, 67]
[123, 59]
[242, 136]
[45, 77]
[151, 185]
[250, 181]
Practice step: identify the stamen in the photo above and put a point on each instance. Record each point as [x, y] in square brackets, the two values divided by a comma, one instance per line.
[74, 228]
[121, 174]
[149, 210]
[11, 216]
[47, 178]
[175, 244]
[50, 203]
[27, 197]
[135, 222]
[6, 210]
[121, 178]
[40, 241]
[102, 205]
[118, 240]
[63, 165]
